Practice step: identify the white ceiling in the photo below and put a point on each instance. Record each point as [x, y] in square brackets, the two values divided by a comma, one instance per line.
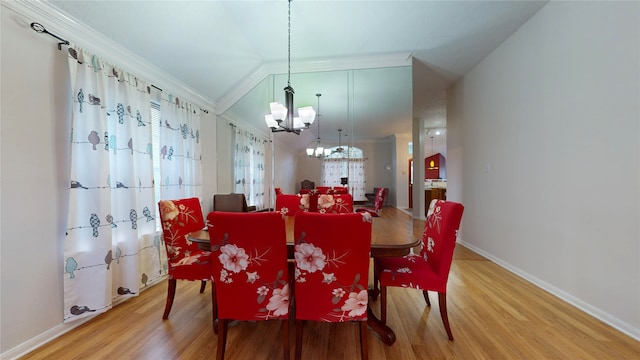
[234, 53]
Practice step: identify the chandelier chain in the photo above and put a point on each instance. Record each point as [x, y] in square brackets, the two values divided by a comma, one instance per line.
[289, 49]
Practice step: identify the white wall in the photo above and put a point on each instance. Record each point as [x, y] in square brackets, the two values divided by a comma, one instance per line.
[547, 131]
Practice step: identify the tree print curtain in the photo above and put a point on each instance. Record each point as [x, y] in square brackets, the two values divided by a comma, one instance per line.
[180, 155]
[111, 250]
[248, 166]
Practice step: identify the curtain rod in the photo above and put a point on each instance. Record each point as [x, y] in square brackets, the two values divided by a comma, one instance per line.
[39, 28]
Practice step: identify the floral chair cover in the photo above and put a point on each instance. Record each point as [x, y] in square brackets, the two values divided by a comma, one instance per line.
[430, 269]
[186, 260]
[337, 203]
[340, 190]
[249, 262]
[377, 204]
[324, 190]
[331, 270]
[291, 204]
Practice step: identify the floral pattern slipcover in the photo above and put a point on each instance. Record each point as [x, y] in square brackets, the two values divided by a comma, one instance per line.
[430, 269]
[331, 266]
[186, 260]
[377, 204]
[249, 262]
[291, 204]
[336, 203]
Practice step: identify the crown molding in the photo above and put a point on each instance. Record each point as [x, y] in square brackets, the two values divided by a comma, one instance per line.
[337, 64]
[78, 33]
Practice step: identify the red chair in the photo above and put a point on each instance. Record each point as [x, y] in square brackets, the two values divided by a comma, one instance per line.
[186, 260]
[249, 264]
[331, 271]
[430, 269]
[338, 203]
[340, 190]
[324, 190]
[289, 204]
[377, 205]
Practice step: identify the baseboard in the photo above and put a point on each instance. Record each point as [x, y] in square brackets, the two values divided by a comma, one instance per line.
[55, 332]
[605, 317]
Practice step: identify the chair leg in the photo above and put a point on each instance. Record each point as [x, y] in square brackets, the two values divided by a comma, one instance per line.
[203, 285]
[376, 290]
[298, 340]
[214, 308]
[222, 338]
[285, 339]
[425, 293]
[442, 299]
[364, 347]
[171, 293]
[383, 305]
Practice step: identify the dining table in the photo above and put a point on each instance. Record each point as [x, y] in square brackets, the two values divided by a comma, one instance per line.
[384, 243]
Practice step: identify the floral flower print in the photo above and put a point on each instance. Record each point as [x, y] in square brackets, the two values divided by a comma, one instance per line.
[328, 278]
[430, 244]
[233, 258]
[224, 277]
[356, 304]
[404, 270]
[338, 292]
[304, 201]
[168, 210]
[279, 301]
[366, 217]
[309, 257]
[325, 202]
[263, 290]
[252, 277]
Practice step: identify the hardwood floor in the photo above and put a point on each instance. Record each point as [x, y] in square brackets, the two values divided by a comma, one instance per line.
[493, 315]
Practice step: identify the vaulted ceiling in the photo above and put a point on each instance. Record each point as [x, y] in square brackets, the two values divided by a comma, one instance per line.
[358, 54]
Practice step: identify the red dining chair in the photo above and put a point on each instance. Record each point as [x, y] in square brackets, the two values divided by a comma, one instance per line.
[249, 264]
[430, 269]
[324, 190]
[290, 204]
[337, 203]
[377, 204]
[340, 190]
[186, 260]
[331, 271]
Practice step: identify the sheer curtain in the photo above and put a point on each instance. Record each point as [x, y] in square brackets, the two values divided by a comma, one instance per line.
[335, 168]
[249, 166]
[180, 154]
[111, 250]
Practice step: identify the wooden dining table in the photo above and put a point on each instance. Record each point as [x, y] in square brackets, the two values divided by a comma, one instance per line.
[384, 243]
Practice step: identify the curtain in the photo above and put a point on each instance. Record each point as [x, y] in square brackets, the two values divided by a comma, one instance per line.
[357, 183]
[249, 166]
[334, 169]
[180, 154]
[111, 250]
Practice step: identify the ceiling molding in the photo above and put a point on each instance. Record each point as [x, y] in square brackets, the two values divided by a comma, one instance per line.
[351, 63]
[82, 35]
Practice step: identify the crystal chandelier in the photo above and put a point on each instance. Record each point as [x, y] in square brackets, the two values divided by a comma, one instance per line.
[281, 117]
[319, 152]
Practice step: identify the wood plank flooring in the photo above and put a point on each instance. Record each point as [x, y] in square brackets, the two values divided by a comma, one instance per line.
[493, 315]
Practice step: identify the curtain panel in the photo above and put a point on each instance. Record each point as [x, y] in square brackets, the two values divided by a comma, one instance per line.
[249, 166]
[111, 248]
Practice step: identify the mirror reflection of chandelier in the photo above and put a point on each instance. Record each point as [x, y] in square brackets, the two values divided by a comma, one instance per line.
[281, 117]
[319, 152]
[339, 149]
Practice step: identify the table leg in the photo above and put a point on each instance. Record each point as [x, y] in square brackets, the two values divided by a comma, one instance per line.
[385, 333]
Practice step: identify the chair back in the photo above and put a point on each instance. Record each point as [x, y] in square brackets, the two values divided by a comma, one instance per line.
[291, 204]
[324, 190]
[337, 203]
[230, 202]
[332, 266]
[340, 190]
[179, 218]
[379, 201]
[307, 185]
[249, 265]
[439, 236]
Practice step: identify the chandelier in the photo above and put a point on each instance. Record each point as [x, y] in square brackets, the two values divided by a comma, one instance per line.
[319, 152]
[281, 117]
[339, 149]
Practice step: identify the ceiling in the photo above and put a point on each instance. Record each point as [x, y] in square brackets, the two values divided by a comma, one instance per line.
[361, 56]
